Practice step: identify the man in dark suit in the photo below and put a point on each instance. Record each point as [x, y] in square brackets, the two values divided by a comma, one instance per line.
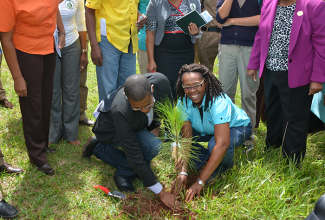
[127, 120]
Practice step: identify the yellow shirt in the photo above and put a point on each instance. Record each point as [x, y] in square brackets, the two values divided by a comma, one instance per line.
[120, 16]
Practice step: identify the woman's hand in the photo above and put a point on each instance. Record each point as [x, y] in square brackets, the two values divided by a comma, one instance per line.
[83, 61]
[194, 190]
[252, 74]
[20, 87]
[179, 182]
[193, 29]
[315, 87]
[226, 24]
[61, 44]
[151, 67]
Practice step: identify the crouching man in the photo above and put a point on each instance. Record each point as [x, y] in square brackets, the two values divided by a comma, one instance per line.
[126, 132]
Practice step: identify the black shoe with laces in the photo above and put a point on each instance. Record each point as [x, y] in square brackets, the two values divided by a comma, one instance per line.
[7, 210]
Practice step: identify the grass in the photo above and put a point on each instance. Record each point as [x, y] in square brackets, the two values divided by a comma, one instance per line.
[260, 186]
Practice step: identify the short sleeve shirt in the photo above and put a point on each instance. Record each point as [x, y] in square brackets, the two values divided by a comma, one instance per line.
[221, 110]
[33, 23]
[120, 17]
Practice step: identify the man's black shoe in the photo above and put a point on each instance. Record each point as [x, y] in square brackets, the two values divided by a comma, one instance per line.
[123, 184]
[7, 210]
[88, 148]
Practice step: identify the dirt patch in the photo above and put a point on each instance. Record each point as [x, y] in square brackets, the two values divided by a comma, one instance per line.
[136, 205]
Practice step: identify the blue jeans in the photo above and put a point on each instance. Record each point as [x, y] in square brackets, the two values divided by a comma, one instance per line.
[238, 136]
[109, 153]
[117, 67]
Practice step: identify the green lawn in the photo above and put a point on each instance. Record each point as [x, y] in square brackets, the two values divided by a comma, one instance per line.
[260, 186]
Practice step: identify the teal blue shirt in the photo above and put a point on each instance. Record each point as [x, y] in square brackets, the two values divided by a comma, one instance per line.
[142, 33]
[220, 111]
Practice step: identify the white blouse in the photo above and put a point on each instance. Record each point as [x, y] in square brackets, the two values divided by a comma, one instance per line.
[73, 17]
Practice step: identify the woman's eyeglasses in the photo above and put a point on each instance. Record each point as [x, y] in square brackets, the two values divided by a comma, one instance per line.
[195, 87]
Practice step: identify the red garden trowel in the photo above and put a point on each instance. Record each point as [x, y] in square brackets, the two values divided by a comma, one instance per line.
[115, 193]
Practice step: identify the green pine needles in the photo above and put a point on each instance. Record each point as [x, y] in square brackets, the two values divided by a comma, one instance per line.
[173, 121]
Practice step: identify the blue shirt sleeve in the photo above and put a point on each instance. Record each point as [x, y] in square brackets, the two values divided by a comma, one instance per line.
[181, 105]
[220, 111]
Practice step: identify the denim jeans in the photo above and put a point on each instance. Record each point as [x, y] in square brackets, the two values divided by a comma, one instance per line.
[117, 67]
[109, 153]
[238, 136]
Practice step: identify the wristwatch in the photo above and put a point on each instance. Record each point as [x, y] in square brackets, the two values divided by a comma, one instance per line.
[200, 182]
[84, 50]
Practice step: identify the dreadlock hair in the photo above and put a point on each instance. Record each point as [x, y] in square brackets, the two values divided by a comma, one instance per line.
[213, 89]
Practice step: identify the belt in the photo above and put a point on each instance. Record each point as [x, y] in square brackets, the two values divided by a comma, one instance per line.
[211, 29]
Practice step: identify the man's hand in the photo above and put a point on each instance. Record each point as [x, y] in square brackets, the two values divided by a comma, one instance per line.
[252, 74]
[169, 200]
[141, 22]
[178, 183]
[96, 55]
[20, 87]
[193, 29]
[151, 67]
[194, 190]
[315, 87]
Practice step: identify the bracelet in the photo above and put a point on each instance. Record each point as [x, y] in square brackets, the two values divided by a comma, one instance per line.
[182, 173]
[61, 34]
[84, 50]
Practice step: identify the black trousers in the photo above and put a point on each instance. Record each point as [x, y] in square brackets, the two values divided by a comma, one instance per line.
[38, 71]
[287, 111]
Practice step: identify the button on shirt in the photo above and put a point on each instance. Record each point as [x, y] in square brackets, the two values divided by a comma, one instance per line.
[222, 110]
[120, 16]
[33, 23]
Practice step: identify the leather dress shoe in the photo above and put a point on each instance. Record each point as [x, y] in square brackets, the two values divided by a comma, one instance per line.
[123, 184]
[87, 122]
[50, 150]
[7, 210]
[47, 169]
[10, 169]
[88, 148]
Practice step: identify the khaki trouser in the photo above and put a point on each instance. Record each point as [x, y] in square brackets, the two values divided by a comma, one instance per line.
[207, 49]
[83, 90]
[2, 91]
[233, 61]
[143, 61]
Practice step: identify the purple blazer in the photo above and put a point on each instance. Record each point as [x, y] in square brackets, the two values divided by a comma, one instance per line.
[306, 59]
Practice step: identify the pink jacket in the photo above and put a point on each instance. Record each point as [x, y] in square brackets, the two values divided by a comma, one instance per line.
[306, 60]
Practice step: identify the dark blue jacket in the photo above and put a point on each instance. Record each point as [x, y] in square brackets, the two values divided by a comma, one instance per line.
[239, 35]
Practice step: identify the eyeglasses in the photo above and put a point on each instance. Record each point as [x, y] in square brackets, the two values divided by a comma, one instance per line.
[195, 87]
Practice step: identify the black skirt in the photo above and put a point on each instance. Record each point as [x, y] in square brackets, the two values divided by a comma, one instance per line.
[174, 51]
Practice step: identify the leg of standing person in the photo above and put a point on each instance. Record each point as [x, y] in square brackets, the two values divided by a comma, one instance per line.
[296, 105]
[207, 48]
[248, 86]
[142, 61]
[55, 132]
[3, 99]
[6, 167]
[38, 71]
[228, 70]
[273, 111]
[83, 91]
[70, 91]
[108, 74]
[127, 66]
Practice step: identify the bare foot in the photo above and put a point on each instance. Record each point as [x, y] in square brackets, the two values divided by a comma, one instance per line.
[76, 142]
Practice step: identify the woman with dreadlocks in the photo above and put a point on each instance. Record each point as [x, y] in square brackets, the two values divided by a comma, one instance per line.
[212, 117]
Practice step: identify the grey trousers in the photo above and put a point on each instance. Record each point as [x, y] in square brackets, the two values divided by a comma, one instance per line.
[142, 61]
[64, 121]
[233, 61]
[2, 91]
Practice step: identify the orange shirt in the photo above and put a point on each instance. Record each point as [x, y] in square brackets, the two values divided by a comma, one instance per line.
[33, 23]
